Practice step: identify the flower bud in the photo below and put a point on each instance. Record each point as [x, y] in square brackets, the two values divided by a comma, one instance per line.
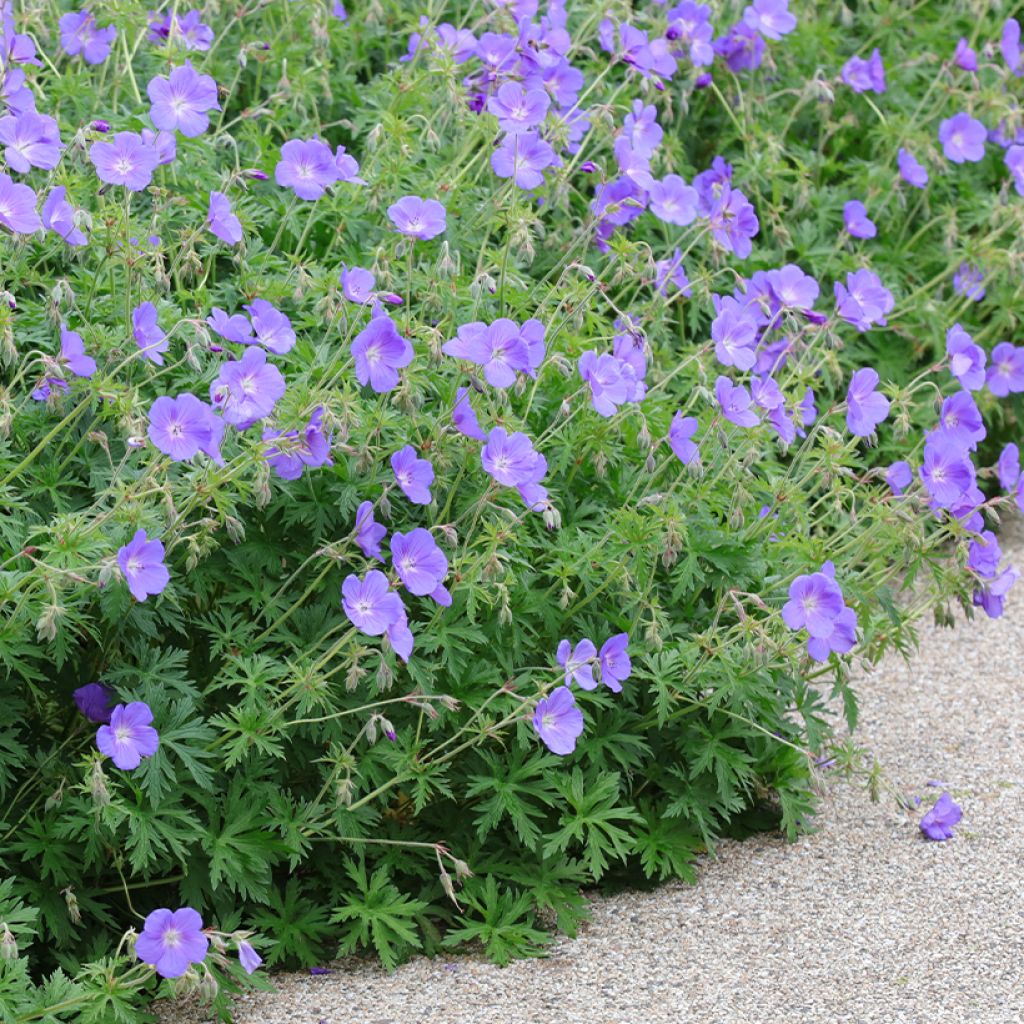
[98, 786]
[8, 945]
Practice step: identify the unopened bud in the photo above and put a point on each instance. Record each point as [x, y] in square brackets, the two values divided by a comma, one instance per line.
[8, 945]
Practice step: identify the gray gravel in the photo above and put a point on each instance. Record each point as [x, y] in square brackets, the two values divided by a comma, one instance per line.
[864, 921]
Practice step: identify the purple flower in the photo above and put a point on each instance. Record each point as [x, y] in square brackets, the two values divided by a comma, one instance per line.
[963, 138]
[815, 602]
[734, 332]
[222, 220]
[347, 167]
[311, 447]
[518, 109]
[30, 140]
[273, 329]
[792, 288]
[48, 386]
[142, 562]
[247, 389]
[464, 417]
[18, 207]
[608, 388]
[414, 475]
[187, 30]
[148, 334]
[671, 270]
[307, 167]
[899, 477]
[733, 222]
[181, 427]
[741, 48]
[129, 737]
[983, 555]
[966, 360]
[370, 603]
[689, 25]
[1006, 374]
[673, 201]
[964, 57]
[946, 471]
[863, 301]
[72, 353]
[59, 217]
[124, 160]
[910, 170]
[1014, 158]
[734, 401]
[680, 433]
[95, 701]
[248, 958]
[857, 221]
[642, 130]
[357, 285]
[616, 667]
[770, 17]
[79, 33]
[234, 328]
[960, 422]
[840, 640]
[969, 281]
[418, 218]
[865, 407]
[182, 101]
[558, 721]
[380, 352]
[523, 158]
[865, 75]
[578, 663]
[421, 564]
[369, 533]
[511, 460]
[171, 942]
[164, 144]
[938, 823]
[499, 348]
[992, 596]
[1008, 467]
[1009, 46]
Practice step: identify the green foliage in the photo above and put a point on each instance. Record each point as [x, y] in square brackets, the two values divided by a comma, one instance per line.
[310, 785]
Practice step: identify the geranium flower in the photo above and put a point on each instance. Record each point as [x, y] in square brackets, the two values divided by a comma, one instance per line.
[307, 167]
[95, 701]
[1008, 467]
[79, 34]
[614, 661]
[380, 351]
[310, 448]
[966, 360]
[248, 958]
[938, 823]
[30, 140]
[863, 301]
[1006, 374]
[182, 100]
[523, 158]
[673, 201]
[815, 602]
[247, 389]
[865, 75]
[464, 417]
[509, 458]
[499, 349]
[370, 603]
[865, 407]
[963, 138]
[946, 472]
[421, 564]
[124, 160]
[680, 433]
[642, 130]
[180, 427]
[187, 30]
[273, 329]
[578, 662]
[129, 737]
[771, 18]
[518, 109]
[856, 220]
[369, 533]
[734, 401]
[899, 477]
[72, 353]
[148, 334]
[142, 562]
[558, 721]
[910, 170]
[172, 942]
[418, 218]
[603, 374]
[18, 207]
[964, 57]
[413, 474]
[59, 217]
[734, 332]
[222, 221]
[733, 222]
[236, 328]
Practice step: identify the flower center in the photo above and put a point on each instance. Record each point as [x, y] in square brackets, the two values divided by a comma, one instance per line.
[172, 938]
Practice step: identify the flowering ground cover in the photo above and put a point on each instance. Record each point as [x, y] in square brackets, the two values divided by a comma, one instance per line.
[450, 460]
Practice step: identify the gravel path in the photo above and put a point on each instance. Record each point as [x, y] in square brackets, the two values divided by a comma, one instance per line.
[862, 922]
